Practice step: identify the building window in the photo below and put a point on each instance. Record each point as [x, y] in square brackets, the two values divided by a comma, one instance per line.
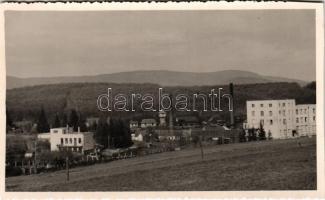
[262, 105]
[66, 140]
[314, 110]
[314, 118]
[284, 112]
[61, 141]
[253, 105]
[79, 140]
[283, 104]
[262, 113]
[270, 105]
[262, 122]
[296, 111]
[279, 111]
[70, 140]
[284, 121]
[305, 119]
[297, 120]
[271, 122]
[253, 113]
[75, 140]
[270, 113]
[305, 111]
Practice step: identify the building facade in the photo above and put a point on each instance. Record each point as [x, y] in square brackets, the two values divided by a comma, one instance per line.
[281, 118]
[276, 116]
[65, 139]
[306, 119]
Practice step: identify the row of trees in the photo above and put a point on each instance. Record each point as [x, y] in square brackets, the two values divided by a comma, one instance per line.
[115, 134]
[74, 119]
[254, 134]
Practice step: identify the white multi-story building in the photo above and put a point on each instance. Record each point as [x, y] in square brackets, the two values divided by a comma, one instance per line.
[282, 118]
[65, 139]
[276, 116]
[306, 119]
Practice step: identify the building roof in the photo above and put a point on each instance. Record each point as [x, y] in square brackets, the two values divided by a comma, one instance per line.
[148, 121]
[188, 119]
[275, 100]
[305, 105]
[22, 123]
[133, 122]
[92, 119]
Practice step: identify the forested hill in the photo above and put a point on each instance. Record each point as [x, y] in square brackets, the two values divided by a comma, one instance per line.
[25, 103]
[161, 77]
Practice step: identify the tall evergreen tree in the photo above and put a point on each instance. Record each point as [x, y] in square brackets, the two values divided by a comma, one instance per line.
[254, 137]
[8, 119]
[261, 133]
[9, 122]
[65, 120]
[112, 131]
[269, 135]
[242, 135]
[126, 134]
[42, 123]
[57, 122]
[102, 133]
[74, 120]
[82, 124]
[93, 126]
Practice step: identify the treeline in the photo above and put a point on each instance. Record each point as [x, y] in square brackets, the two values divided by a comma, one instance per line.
[113, 133]
[24, 103]
[108, 132]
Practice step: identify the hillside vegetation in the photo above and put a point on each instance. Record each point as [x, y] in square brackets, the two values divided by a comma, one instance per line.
[25, 103]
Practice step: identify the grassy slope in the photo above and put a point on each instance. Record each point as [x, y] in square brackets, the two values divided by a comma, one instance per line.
[269, 165]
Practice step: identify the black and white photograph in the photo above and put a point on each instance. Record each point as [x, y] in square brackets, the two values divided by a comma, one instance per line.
[121, 100]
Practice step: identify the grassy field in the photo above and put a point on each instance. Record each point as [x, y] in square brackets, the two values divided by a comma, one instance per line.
[267, 165]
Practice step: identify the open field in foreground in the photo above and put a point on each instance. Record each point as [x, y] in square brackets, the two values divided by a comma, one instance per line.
[267, 165]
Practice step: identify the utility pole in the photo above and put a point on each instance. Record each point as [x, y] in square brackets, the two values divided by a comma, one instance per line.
[67, 167]
[201, 147]
[35, 165]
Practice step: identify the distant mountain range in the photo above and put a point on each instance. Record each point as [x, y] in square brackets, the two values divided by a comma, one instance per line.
[163, 78]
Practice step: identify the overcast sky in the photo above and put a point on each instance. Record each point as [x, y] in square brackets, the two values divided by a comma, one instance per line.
[277, 43]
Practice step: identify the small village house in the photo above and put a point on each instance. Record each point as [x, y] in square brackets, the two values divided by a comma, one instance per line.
[145, 123]
[188, 121]
[90, 121]
[137, 136]
[134, 124]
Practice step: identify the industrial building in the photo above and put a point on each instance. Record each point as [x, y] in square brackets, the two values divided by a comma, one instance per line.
[281, 118]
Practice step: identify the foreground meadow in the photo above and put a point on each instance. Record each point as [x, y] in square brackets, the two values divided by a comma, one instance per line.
[267, 165]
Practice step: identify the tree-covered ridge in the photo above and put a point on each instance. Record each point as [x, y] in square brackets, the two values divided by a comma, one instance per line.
[60, 99]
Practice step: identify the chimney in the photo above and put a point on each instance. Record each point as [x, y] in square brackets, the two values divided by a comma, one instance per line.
[78, 129]
[171, 115]
[231, 91]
